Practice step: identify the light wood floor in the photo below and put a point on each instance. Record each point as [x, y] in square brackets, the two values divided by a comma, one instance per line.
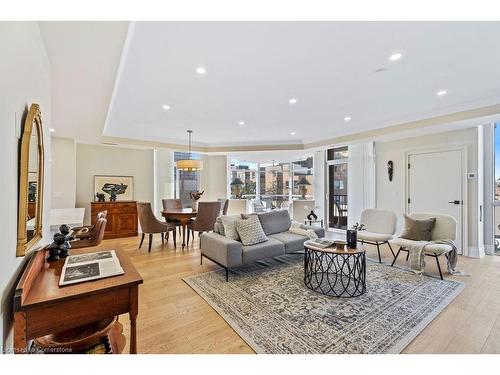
[174, 319]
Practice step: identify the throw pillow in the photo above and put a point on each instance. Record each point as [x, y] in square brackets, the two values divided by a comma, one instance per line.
[218, 227]
[250, 231]
[228, 223]
[418, 230]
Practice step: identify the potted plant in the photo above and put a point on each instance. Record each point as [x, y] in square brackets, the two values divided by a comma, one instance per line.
[195, 196]
[352, 235]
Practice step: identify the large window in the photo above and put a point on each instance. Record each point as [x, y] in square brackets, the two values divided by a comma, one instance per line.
[185, 182]
[243, 181]
[337, 159]
[274, 183]
[303, 179]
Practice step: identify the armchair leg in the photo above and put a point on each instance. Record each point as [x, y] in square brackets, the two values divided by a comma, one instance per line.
[407, 255]
[439, 267]
[142, 240]
[174, 232]
[189, 231]
[378, 250]
[150, 241]
[168, 235]
[396, 257]
[390, 247]
[162, 239]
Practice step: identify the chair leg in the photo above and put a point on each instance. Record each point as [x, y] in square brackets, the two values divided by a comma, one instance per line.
[439, 267]
[189, 231]
[142, 240]
[199, 234]
[168, 235]
[378, 250]
[396, 257]
[162, 239]
[407, 255]
[174, 232]
[390, 247]
[150, 241]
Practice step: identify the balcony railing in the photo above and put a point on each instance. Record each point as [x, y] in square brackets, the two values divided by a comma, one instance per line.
[338, 211]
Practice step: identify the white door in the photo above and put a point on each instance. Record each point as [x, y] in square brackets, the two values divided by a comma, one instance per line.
[435, 185]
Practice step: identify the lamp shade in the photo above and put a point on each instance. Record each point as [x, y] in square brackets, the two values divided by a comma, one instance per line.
[189, 165]
[303, 181]
[237, 182]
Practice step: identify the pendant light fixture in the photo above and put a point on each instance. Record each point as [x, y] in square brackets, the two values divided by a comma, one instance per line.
[189, 165]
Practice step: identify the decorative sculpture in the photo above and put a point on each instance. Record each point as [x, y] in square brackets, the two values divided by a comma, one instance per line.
[100, 197]
[390, 169]
[59, 248]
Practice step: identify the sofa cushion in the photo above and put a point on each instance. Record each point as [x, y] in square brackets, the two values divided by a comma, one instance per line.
[418, 230]
[263, 250]
[275, 221]
[250, 231]
[293, 242]
[229, 224]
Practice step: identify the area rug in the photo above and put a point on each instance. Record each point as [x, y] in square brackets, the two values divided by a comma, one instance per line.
[269, 306]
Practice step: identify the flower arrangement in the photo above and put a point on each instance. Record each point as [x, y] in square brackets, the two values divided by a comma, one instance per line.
[196, 195]
[358, 227]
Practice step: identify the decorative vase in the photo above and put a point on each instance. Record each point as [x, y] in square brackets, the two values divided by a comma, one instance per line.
[352, 238]
[195, 206]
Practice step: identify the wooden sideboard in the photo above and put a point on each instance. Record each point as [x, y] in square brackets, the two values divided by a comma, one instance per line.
[122, 218]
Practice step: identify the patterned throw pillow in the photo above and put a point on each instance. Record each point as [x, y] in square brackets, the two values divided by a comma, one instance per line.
[228, 223]
[250, 231]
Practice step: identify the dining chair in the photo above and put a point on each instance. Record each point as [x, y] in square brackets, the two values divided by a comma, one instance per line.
[224, 204]
[151, 225]
[172, 204]
[205, 218]
[96, 237]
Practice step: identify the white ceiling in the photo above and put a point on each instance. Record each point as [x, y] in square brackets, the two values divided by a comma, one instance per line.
[254, 68]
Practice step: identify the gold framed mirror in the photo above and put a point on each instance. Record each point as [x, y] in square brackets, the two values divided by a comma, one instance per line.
[31, 175]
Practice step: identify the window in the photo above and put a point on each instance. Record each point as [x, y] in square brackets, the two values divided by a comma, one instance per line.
[185, 182]
[337, 160]
[303, 179]
[245, 174]
[274, 183]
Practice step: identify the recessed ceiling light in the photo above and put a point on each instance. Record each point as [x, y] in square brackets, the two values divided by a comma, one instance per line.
[201, 70]
[347, 118]
[166, 107]
[441, 93]
[292, 133]
[241, 123]
[52, 130]
[292, 101]
[395, 56]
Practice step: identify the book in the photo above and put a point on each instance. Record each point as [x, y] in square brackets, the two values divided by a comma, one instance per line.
[92, 266]
[322, 243]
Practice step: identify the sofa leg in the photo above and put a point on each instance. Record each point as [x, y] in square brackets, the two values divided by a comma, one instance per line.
[439, 267]
[227, 275]
[201, 259]
[378, 250]
[142, 240]
[396, 257]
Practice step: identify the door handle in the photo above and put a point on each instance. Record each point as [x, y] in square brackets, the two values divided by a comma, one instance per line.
[454, 202]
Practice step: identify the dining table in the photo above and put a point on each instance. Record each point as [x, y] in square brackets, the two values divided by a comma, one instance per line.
[183, 215]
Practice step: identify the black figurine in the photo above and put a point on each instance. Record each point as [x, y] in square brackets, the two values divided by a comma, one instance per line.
[112, 198]
[55, 247]
[100, 197]
[64, 229]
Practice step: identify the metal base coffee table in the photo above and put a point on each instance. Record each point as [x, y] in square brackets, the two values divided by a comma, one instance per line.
[335, 272]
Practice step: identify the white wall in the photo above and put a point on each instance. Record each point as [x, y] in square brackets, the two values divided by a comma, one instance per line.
[214, 177]
[24, 79]
[63, 176]
[164, 177]
[94, 160]
[391, 195]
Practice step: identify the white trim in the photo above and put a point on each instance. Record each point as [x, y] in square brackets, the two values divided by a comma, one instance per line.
[465, 200]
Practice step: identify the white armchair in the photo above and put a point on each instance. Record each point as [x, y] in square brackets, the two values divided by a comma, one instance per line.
[380, 228]
[445, 229]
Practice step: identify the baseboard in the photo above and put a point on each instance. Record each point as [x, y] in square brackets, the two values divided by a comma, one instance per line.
[476, 252]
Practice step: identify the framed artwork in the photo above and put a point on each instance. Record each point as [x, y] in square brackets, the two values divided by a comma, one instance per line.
[119, 187]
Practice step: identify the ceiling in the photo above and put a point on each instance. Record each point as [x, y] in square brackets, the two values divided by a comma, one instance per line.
[113, 83]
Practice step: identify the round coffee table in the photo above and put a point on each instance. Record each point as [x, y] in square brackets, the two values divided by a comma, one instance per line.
[335, 272]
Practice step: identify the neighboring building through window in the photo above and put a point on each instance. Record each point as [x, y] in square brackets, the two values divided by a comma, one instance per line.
[246, 173]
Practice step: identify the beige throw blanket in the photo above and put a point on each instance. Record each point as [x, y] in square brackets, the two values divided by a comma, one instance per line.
[417, 255]
[297, 228]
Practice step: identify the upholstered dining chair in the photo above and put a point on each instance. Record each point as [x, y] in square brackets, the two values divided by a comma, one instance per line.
[205, 218]
[172, 204]
[151, 225]
[380, 226]
[97, 234]
[445, 229]
[89, 231]
[224, 204]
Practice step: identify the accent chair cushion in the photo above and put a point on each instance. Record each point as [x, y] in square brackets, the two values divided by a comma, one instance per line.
[250, 231]
[418, 230]
[229, 226]
[371, 236]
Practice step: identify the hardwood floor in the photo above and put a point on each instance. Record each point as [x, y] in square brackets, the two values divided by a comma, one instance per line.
[174, 319]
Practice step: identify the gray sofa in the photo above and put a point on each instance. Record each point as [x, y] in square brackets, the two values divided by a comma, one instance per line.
[228, 253]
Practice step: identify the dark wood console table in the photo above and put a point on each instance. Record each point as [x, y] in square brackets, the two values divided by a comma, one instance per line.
[41, 307]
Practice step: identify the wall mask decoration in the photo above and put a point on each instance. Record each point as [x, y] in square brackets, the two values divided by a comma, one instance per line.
[390, 169]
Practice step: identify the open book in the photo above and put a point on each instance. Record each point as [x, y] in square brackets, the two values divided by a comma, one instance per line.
[92, 266]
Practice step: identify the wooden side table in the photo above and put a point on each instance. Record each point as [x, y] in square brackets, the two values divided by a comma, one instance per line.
[41, 307]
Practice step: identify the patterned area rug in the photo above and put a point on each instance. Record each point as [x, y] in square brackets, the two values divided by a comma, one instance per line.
[268, 305]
